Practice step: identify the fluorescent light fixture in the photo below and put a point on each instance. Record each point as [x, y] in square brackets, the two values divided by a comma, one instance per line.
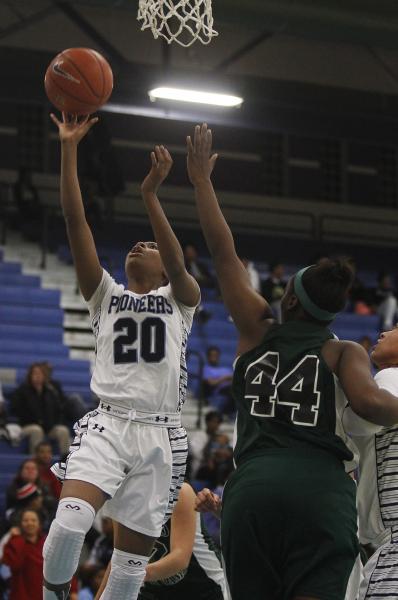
[182, 95]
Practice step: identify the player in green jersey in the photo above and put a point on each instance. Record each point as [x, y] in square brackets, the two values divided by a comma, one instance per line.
[289, 527]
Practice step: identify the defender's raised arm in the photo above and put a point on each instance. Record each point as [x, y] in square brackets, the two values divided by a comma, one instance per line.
[248, 309]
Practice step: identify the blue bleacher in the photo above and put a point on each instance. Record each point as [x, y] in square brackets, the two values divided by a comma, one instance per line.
[31, 346]
[19, 280]
[14, 295]
[38, 315]
[22, 361]
[10, 267]
[10, 331]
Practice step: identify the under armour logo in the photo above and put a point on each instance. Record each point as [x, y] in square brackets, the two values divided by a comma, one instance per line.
[136, 563]
[164, 419]
[105, 406]
[73, 506]
[99, 427]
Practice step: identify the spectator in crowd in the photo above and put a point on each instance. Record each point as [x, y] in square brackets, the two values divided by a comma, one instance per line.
[273, 287]
[27, 490]
[91, 581]
[44, 459]
[198, 439]
[254, 275]
[101, 552]
[217, 383]
[73, 405]
[386, 301]
[23, 554]
[217, 462]
[38, 408]
[197, 268]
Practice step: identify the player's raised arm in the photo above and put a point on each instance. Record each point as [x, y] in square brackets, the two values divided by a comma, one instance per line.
[88, 268]
[363, 394]
[185, 288]
[248, 309]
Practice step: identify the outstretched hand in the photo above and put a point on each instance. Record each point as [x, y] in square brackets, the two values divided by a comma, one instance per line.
[161, 165]
[71, 129]
[208, 501]
[200, 160]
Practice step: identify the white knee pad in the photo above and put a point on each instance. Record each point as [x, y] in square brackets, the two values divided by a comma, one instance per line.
[64, 542]
[126, 576]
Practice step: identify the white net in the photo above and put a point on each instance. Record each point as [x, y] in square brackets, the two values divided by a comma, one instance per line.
[181, 21]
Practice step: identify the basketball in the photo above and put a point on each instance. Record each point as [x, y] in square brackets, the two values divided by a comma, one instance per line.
[78, 81]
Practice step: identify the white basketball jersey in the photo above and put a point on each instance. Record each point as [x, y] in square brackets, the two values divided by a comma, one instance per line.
[378, 481]
[140, 347]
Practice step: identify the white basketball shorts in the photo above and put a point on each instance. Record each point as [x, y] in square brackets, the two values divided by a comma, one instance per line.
[141, 467]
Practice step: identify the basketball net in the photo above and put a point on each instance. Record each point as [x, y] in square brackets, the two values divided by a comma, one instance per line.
[181, 21]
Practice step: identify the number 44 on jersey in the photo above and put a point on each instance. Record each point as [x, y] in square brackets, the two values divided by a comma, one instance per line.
[294, 397]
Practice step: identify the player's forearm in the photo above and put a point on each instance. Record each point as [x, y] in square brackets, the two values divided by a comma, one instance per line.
[168, 244]
[216, 230]
[167, 566]
[381, 409]
[71, 198]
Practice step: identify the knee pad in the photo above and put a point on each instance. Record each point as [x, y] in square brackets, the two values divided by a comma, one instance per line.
[126, 576]
[64, 542]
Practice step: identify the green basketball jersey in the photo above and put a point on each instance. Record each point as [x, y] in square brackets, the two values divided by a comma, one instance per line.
[286, 395]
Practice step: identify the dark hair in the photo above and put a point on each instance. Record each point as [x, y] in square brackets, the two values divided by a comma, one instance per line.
[275, 263]
[24, 510]
[213, 349]
[42, 445]
[328, 283]
[213, 414]
[18, 474]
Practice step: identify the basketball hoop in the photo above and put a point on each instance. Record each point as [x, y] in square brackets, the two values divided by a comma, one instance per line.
[181, 21]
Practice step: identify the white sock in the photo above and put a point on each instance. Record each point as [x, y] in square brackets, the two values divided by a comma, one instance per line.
[126, 576]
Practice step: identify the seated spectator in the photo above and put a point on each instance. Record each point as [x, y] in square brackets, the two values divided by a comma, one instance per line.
[217, 383]
[73, 405]
[198, 439]
[23, 553]
[386, 302]
[197, 268]
[91, 581]
[254, 275]
[27, 490]
[217, 462]
[273, 287]
[44, 459]
[101, 552]
[38, 408]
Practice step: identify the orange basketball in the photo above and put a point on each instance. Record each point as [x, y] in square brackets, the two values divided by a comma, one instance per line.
[78, 81]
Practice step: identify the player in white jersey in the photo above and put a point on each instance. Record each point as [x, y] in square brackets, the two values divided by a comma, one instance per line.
[131, 450]
[378, 486]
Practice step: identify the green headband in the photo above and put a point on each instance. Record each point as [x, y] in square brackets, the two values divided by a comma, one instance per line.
[309, 306]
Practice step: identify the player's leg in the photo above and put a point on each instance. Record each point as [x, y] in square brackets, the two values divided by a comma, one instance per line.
[251, 526]
[129, 560]
[77, 507]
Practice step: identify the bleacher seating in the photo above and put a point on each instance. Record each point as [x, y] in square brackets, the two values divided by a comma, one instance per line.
[31, 330]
